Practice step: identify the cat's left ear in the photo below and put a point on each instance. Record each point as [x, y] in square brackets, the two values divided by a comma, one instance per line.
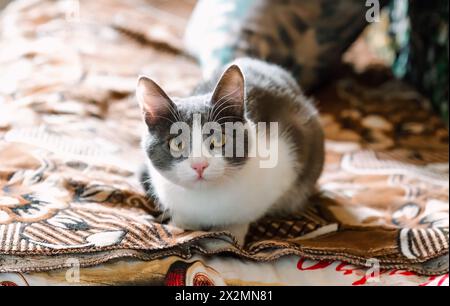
[154, 102]
[230, 91]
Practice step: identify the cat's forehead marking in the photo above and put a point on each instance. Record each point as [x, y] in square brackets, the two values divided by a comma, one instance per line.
[193, 101]
[189, 106]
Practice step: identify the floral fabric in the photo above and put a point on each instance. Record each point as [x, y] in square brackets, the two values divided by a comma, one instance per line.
[69, 148]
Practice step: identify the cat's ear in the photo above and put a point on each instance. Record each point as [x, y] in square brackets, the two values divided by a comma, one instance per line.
[154, 102]
[230, 91]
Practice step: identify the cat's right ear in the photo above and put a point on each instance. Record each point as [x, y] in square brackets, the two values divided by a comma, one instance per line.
[154, 102]
[229, 93]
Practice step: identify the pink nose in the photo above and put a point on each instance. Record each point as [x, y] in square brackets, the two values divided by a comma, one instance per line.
[200, 167]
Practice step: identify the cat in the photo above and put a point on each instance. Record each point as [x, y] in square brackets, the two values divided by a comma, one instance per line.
[219, 191]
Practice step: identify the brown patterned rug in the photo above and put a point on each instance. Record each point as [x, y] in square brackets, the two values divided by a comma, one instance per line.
[69, 147]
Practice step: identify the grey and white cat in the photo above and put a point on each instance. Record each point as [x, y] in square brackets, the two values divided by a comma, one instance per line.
[221, 192]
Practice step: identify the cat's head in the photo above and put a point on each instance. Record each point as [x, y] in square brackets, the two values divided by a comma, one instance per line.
[189, 140]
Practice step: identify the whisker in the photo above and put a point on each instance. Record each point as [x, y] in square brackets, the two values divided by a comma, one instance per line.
[219, 103]
[210, 113]
[228, 117]
[217, 106]
[147, 181]
[226, 107]
[228, 95]
[173, 112]
[171, 121]
[179, 114]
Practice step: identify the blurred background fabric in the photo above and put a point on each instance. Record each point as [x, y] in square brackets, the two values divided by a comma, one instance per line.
[420, 40]
[416, 46]
[309, 37]
[3, 3]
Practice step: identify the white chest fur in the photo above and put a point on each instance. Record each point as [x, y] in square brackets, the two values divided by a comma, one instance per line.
[247, 196]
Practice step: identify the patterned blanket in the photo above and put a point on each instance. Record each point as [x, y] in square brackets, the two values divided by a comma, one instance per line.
[69, 148]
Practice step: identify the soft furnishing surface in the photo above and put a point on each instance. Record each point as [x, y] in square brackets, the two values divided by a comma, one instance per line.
[69, 147]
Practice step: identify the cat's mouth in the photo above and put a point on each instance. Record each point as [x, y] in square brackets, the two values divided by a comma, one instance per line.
[201, 182]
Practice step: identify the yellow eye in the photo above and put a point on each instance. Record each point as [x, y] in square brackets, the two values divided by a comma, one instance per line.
[176, 145]
[218, 142]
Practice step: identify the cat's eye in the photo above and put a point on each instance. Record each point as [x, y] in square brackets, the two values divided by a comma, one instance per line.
[176, 145]
[218, 142]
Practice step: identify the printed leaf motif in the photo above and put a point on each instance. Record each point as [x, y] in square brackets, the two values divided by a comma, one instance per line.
[106, 238]
[68, 222]
[95, 193]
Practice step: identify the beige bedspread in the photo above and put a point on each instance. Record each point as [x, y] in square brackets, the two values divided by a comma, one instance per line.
[69, 147]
